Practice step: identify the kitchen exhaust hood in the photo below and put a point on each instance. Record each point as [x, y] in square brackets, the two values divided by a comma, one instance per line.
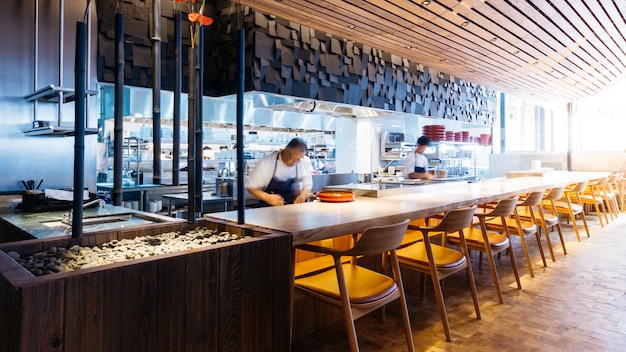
[311, 106]
[260, 109]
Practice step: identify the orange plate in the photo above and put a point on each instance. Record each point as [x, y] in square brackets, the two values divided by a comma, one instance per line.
[335, 196]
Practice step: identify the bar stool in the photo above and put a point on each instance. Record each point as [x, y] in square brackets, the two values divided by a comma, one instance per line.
[550, 218]
[567, 206]
[590, 197]
[610, 193]
[615, 185]
[490, 242]
[440, 262]
[356, 289]
[523, 228]
[546, 219]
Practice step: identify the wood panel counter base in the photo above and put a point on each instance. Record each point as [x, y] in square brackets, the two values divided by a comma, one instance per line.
[229, 296]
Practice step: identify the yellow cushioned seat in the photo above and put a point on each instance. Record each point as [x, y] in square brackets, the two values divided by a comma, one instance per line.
[370, 287]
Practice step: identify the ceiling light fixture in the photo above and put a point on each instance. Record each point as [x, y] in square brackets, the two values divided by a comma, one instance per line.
[352, 26]
[425, 3]
[408, 47]
[493, 39]
[442, 60]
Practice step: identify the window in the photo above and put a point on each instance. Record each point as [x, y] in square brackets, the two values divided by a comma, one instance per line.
[532, 127]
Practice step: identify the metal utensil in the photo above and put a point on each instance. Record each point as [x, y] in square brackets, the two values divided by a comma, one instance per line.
[39, 184]
[25, 185]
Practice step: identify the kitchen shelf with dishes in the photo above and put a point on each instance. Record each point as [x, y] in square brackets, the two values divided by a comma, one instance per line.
[456, 154]
[455, 160]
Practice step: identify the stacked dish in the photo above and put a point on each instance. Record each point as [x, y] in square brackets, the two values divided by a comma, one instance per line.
[435, 132]
[485, 139]
[335, 196]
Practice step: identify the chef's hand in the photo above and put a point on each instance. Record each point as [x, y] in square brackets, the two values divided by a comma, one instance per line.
[274, 199]
[299, 199]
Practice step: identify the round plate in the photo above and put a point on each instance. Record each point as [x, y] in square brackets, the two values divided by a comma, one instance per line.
[335, 196]
[331, 200]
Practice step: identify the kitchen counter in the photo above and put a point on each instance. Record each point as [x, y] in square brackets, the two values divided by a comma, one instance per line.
[145, 190]
[313, 221]
[388, 188]
[526, 173]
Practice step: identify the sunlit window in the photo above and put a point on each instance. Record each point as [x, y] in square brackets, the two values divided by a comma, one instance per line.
[532, 127]
[600, 122]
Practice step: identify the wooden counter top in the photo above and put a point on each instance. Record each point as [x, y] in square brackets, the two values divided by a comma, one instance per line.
[313, 221]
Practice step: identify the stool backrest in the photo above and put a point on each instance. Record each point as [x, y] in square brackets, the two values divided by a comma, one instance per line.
[379, 239]
[533, 199]
[504, 207]
[580, 186]
[555, 193]
[455, 220]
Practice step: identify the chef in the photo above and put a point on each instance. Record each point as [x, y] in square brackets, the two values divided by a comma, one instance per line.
[282, 177]
[416, 164]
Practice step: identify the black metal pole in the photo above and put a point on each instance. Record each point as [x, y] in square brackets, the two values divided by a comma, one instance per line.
[79, 125]
[191, 149]
[240, 88]
[178, 90]
[118, 118]
[198, 127]
[156, 93]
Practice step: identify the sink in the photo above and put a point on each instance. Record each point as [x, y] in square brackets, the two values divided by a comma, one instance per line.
[107, 222]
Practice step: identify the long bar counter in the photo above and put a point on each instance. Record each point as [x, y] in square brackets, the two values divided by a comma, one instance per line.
[314, 221]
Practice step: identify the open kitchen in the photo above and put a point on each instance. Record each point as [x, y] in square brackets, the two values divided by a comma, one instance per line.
[134, 132]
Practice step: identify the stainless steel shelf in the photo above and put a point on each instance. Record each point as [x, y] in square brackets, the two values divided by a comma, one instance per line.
[52, 94]
[63, 131]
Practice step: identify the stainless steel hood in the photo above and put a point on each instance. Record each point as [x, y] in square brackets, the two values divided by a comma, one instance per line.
[260, 109]
[311, 106]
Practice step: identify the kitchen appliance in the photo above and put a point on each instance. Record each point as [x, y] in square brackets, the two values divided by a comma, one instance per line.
[393, 146]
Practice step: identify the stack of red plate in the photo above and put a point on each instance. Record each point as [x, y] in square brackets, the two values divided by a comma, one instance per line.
[485, 139]
[458, 136]
[435, 132]
[465, 136]
[335, 196]
[450, 136]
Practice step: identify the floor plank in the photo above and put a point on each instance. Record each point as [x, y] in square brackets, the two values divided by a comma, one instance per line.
[577, 303]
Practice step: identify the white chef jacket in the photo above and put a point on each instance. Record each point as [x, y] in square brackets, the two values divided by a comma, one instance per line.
[412, 160]
[263, 172]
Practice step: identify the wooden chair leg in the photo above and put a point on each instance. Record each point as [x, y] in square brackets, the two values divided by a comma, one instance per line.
[529, 264]
[422, 286]
[543, 257]
[558, 228]
[572, 217]
[442, 307]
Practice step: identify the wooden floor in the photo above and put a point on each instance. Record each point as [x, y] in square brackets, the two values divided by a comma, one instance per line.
[577, 303]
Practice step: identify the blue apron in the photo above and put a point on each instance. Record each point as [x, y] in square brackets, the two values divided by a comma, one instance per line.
[421, 170]
[284, 188]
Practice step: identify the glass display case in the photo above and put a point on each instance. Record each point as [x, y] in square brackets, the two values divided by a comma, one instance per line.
[457, 160]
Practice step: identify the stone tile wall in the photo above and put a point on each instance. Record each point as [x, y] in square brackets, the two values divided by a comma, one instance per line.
[287, 58]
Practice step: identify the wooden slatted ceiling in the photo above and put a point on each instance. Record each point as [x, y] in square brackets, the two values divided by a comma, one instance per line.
[541, 49]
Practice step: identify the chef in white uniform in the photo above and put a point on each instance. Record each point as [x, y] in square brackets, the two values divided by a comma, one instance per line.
[416, 164]
[282, 177]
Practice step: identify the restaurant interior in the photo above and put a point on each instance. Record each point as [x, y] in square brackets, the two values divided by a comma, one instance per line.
[159, 112]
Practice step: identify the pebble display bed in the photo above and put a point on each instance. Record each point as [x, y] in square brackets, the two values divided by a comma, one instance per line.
[61, 259]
